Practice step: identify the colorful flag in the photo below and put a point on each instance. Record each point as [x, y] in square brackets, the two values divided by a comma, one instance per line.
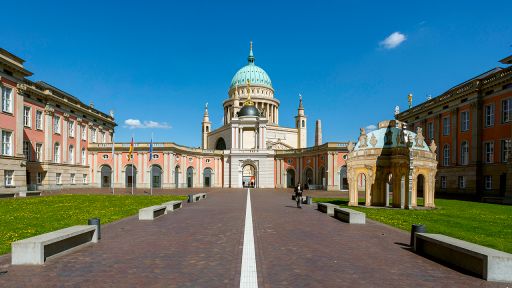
[151, 148]
[131, 150]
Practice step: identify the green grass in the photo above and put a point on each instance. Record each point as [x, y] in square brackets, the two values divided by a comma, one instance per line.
[481, 223]
[21, 218]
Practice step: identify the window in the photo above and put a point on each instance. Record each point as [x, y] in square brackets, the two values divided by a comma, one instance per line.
[93, 135]
[207, 160]
[446, 126]
[27, 116]
[430, 130]
[103, 137]
[303, 123]
[72, 176]
[71, 158]
[489, 115]
[39, 152]
[84, 179]
[464, 153]
[26, 150]
[58, 178]
[39, 178]
[462, 182]
[506, 110]
[84, 133]
[71, 128]
[156, 156]
[56, 124]
[443, 182]
[56, 153]
[105, 156]
[464, 121]
[505, 150]
[446, 155]
[8, 178]
[6, 99]
[488, 182]
[39, 120]
[489, 152]
[6, 143]
[83, 157]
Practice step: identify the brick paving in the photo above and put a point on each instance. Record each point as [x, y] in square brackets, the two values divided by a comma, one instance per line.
[200, 245]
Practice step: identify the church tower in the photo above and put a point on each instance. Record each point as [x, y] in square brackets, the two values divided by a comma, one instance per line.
[301, 122]
[207, 126]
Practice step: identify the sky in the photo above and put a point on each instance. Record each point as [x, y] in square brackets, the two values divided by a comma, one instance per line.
[156, 63]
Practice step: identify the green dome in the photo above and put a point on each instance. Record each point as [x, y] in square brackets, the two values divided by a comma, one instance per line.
[251, 72]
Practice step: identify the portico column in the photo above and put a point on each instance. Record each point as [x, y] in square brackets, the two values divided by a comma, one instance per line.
[166, 170]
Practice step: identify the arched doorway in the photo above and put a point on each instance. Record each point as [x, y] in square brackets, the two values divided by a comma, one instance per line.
[220, 144]
[130, 176]
[420, 186]
[177, 176]
[156, 176]
[207, 174]
[106, 173]
[190, 177]
[361, 186]
[321, 177]
[343, 178]
[249, 176]
[290, 178]
[308, 176]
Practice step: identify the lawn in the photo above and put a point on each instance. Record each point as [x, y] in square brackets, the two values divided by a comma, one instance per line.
[481, 223]
[21, 218]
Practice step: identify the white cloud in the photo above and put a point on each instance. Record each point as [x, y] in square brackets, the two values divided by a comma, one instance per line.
[393, 40]
[370, 128]
[136, 123]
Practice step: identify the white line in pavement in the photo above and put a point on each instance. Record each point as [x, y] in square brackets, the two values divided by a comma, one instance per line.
[249, 276]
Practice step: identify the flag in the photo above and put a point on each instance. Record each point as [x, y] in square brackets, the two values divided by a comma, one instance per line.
[151, 148]
[131, 150]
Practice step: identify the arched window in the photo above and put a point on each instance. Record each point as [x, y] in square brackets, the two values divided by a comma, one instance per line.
[71, 158]
[221, 144]
[464, 153]
[303, 123]
[446, 155]
[56, 152]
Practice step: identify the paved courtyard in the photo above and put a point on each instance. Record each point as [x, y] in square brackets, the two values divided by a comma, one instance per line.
[201, 246]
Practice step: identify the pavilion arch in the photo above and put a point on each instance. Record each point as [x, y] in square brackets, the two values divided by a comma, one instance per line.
[106, 176]
[249, 175]
[220, 144]
[190, 177]
[290, 177]
[343, 178]
[177, 172]
[308, 176]
[156, 172]
[130, 175]
[321, 176]
[207, 177]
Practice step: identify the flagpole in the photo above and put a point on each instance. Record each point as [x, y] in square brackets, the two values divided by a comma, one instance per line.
[131, 159]
[113, 164]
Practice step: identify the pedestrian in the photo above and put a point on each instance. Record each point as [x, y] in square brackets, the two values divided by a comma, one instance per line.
[298, 195]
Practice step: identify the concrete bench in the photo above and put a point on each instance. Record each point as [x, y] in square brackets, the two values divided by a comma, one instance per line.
[152, 212]
[327, 208]
[350, 216]
[488, 263]
[29, 193]
[196, 197]
[35, 250]
[173, 205]
[202, 195]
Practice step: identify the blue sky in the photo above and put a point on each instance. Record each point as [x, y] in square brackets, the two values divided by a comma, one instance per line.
[161, 61]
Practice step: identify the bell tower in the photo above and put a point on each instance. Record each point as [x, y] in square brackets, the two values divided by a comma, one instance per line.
[301, 122]
[207, 127]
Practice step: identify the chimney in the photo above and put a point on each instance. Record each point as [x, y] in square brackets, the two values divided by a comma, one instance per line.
[318, 133]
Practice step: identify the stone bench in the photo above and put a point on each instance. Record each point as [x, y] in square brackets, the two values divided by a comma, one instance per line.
[350, 216]
[29, 193]
[327, 208]
[202, 195]
[488, 263]
[35, 250]
[152, 212]
[196, 197]
[7, 195]
[173, 205]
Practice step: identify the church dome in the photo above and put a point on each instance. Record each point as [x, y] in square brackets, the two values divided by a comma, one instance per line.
[249, 110]
[252, 73]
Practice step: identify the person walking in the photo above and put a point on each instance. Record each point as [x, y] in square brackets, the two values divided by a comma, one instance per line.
[298, 195]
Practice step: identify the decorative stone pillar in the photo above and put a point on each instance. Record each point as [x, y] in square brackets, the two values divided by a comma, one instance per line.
[48, 132]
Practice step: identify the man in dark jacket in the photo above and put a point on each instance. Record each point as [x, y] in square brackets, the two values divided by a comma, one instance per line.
[298, 195]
